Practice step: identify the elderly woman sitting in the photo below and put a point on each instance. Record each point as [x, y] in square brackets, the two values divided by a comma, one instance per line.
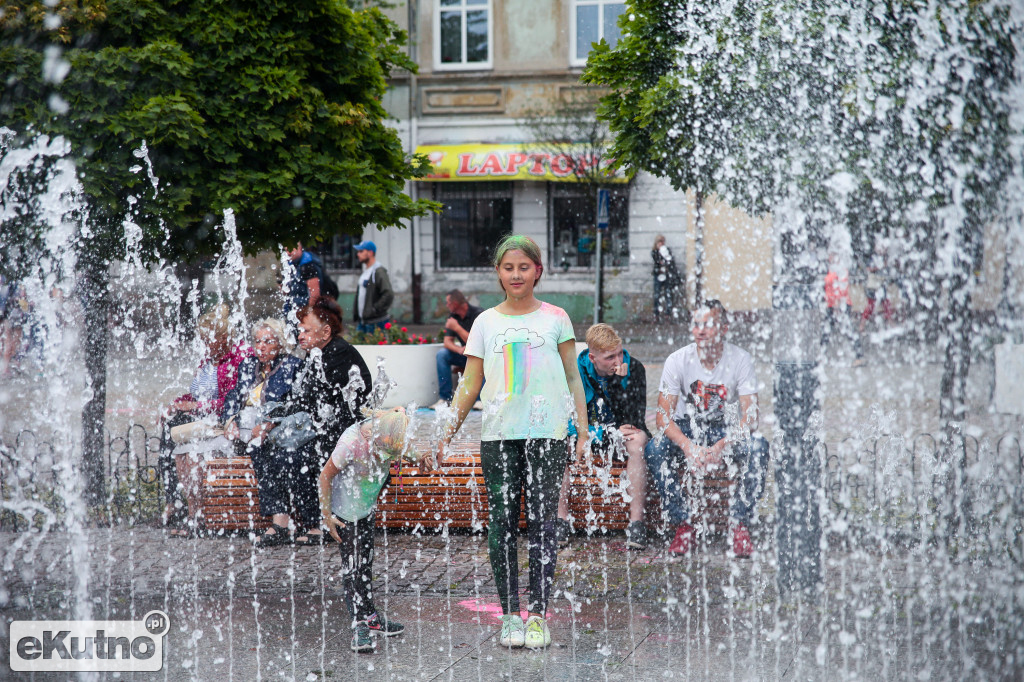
[332, 386]
[262, 378]
[214, 379]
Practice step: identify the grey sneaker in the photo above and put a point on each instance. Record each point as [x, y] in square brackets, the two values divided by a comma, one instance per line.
[636, 535]
[537, 634]
[563, 531]
[513, 633]
[362, 640]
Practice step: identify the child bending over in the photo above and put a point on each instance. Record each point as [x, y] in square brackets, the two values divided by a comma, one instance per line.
[350, 482]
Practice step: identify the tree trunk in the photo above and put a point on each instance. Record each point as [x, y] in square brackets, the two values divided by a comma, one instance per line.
[95, 283]
[953, 388]
[698, 249]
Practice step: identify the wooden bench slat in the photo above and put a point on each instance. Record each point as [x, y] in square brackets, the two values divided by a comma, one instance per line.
[222, 494]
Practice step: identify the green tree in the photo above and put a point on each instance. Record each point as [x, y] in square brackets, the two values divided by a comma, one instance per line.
[271, 108]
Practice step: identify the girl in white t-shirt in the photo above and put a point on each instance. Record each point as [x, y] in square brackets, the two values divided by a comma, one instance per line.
[526, 351]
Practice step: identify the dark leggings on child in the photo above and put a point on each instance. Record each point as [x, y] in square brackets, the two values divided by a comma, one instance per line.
[357, 566]
[509, 466]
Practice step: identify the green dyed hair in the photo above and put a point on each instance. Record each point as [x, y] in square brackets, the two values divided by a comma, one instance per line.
[519, 242]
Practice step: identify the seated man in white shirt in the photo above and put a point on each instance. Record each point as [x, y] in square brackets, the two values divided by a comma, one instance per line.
[708, 375]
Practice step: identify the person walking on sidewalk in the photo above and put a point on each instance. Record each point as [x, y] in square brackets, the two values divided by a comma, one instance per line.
[874, 290]
[837, 304]
[697, 384]
[526, 350]
[374, 297]
[306, 282]
[666, 281]
[615, 387]
[456, 332]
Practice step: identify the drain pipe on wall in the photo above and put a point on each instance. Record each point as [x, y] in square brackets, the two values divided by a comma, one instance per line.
[414, 222]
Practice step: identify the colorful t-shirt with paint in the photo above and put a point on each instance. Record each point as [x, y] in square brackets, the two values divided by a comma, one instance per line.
[362, 473]
[525, 394]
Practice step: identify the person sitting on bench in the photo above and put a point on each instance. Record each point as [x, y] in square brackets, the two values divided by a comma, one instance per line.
[709, 374]
[214, 379]
[615, 386]
[456, 331]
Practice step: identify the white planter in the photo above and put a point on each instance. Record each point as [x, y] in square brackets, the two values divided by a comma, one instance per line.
[1009, 393]
[413, 368]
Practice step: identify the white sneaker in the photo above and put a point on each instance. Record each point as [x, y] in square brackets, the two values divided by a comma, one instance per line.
[513, 633]
[439, 405]
[537, 634]
[478, 405]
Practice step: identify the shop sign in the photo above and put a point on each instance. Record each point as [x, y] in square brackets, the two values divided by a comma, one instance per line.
[467, 162]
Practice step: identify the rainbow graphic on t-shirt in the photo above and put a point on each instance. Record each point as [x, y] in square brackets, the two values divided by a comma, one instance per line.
[517, 366]
[515, 345]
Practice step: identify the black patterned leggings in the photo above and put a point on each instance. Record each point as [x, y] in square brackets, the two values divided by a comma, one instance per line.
[357, 566]
[509, 467]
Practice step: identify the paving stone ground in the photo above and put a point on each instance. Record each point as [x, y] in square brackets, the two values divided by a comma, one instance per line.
[240, 613]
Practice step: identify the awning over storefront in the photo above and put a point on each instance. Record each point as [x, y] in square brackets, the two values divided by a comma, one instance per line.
[468, 162]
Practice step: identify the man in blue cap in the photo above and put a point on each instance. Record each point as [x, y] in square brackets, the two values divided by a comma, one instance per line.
[374, 295]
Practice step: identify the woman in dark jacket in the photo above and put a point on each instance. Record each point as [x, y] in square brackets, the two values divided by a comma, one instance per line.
[666, 281]
[332, 385]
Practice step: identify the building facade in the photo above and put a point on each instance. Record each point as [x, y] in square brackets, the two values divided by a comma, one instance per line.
[486, 68]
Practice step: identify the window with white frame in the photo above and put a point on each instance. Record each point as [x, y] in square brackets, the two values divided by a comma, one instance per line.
[593, 20]
[463, 37]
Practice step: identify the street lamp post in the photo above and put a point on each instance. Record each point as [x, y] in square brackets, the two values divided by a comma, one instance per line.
[602, 226]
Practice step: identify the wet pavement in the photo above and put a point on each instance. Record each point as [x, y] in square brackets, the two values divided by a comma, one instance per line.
[243, 614]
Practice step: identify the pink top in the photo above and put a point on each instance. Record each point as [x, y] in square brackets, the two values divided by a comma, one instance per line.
[227, 377]
[837, 289]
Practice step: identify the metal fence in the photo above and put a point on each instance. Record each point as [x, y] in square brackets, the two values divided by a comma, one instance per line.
[33, 482]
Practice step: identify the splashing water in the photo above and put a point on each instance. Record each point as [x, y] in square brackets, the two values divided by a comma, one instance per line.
[921, 550]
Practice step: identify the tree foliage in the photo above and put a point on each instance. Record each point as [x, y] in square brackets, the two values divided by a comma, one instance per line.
[270, 108]
[174, 111]
[897, 108]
